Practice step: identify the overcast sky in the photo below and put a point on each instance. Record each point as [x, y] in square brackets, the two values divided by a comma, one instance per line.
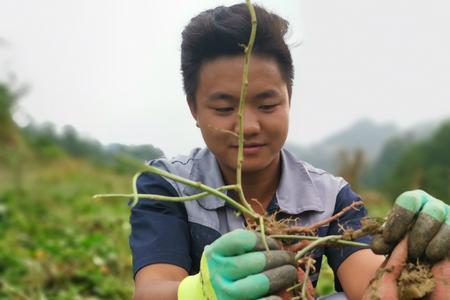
[111, 68]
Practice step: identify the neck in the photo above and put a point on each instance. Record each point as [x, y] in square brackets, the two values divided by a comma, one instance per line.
[260, 185]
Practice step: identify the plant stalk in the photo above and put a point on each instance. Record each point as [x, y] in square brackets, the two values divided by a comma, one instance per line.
[165, 198]
[247, 54]
[315, 238]
[204, 188]
[319, 241]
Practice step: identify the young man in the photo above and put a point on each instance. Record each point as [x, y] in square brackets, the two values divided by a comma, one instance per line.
[168, 239]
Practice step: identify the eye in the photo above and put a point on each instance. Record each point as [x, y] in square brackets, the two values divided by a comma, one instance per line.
[268, 108]
[224, 110]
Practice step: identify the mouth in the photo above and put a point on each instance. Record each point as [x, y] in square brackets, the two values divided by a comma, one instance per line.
[251, 148]
[250, 145]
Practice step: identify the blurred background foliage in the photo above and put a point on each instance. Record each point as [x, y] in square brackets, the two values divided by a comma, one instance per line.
[58, 243]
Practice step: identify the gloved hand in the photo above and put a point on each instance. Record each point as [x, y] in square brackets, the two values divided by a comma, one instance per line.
[236, 266]
[428, 220]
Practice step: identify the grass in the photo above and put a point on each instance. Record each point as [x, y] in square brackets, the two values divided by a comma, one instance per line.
[57, 243]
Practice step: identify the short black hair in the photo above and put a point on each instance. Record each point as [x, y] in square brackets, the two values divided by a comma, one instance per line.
[220, 32]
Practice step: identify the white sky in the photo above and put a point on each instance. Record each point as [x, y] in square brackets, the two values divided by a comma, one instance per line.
[111, 68]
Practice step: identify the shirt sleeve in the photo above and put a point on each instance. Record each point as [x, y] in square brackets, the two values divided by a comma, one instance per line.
[159, 229]
[351, 219]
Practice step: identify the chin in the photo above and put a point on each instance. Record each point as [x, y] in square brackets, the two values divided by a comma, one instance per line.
[253, 166]
[247, 166]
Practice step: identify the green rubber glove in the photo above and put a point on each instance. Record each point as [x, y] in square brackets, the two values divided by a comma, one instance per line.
[428, 220]
[236, 266]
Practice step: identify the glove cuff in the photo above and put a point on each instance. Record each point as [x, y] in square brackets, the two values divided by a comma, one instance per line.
[191, 288]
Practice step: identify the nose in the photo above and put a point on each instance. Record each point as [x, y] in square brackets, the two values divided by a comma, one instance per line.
[251, 124]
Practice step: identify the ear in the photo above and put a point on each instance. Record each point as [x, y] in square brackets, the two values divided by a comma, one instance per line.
[192, 107]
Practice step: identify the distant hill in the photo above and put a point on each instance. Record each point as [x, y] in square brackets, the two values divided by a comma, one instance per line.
[47, 144]
[394, 150]
[383, 148]
[43, 142]
[425, 165]
[364, 135]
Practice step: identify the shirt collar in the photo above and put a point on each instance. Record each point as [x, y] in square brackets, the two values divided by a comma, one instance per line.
[205, 169]
[295, 194]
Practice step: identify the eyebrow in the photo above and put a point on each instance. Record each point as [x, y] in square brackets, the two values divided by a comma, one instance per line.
[221, 96]
[267, 94]
[227, 97]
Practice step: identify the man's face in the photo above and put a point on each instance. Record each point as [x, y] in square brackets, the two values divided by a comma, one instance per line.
[266, 114]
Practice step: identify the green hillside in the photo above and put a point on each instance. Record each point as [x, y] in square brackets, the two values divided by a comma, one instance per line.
[56, 241]
[424, 165]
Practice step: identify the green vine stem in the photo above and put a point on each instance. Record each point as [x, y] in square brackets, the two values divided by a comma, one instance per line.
[247, 51]
[338, 239]
[204, 188]
[294, 287]
[263, 233]
[323, 240]
[135, 191]
[165, 198]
